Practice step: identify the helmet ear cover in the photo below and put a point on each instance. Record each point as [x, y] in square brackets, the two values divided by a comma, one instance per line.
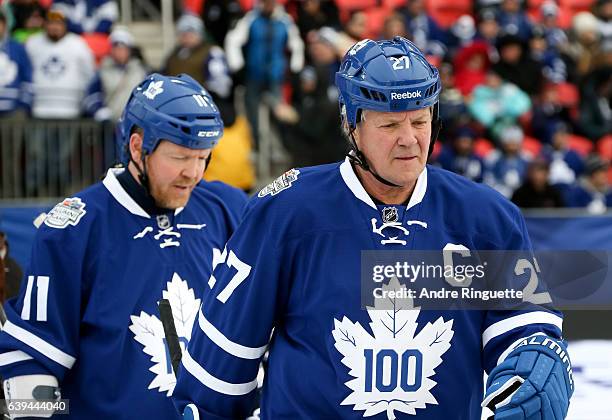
[436, 126]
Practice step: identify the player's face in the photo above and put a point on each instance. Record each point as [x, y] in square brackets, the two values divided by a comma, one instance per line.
[173, 172]
[396, 144]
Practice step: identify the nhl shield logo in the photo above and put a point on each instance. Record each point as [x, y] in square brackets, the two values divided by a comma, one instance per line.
[163, 221]
[68, 212]
[389, 214]
[280, 184]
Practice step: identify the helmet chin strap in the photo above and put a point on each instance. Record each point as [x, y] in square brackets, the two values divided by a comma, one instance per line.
[142, 172]
[357, 157]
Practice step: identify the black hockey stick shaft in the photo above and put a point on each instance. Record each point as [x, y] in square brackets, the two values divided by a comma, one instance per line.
[167, 319]
[507, 393]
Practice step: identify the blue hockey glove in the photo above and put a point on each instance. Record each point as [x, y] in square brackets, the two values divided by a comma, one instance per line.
[533, 383]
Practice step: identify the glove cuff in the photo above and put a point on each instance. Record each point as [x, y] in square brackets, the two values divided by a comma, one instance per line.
[557, 349]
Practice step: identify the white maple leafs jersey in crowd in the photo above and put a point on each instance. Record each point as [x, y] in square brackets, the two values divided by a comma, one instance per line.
[292, 269]
[87, 310]
[62, 73]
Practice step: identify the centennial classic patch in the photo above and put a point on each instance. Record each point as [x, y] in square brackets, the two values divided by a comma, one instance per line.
[68, 212]
[279, 184]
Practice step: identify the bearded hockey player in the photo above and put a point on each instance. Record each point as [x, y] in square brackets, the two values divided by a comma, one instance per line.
[292, 269]
[86, 319]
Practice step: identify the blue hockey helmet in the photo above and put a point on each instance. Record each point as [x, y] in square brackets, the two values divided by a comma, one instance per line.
[387, 76]
[173, 108]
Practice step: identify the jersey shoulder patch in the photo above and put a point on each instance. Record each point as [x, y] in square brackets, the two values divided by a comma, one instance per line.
[281, 183]
[68, 212]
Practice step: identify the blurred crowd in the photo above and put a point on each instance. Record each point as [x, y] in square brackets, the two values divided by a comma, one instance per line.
[527, 84]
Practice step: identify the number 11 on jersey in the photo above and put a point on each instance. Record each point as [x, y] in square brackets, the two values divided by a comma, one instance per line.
[42, 293]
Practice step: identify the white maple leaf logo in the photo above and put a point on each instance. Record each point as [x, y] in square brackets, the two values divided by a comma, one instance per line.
[407, 361]
[154, 89]
[149, 331]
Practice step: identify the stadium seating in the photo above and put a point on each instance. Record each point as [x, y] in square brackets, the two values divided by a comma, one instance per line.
[345, 7]
[604, 147]
[580, 145]
[375, 20]
[393, 4]
[446, 12]
[98, 43]
[531, 146]
[482, 147]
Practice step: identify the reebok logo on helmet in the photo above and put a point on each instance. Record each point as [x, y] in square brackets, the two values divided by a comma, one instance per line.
[406, 95]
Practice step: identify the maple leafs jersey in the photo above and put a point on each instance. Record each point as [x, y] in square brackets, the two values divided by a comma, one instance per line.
[292, 269]
[87, 311]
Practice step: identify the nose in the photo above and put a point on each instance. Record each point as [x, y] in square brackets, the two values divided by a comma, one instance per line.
[407, 135]
[194, 168]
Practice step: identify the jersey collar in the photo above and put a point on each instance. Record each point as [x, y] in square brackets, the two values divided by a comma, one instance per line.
[118, 192]
[352, 182]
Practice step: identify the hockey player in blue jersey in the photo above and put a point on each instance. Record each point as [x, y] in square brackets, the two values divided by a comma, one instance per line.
[288, 280]
[86, 318]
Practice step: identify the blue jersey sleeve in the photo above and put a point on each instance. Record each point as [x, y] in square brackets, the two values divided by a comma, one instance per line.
[41, 334]
[504, 328]
[249, 288]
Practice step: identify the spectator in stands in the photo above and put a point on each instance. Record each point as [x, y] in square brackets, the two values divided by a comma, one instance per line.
[452, 104]
[63, 80]
[604, 58]
[496, 102]
[555, 36]
[513, 20]
[312, 15]
[205, 62]
[547, 113]
[507, 167]
[258, 44]
[120, 71]
[488, 28]
[63, 70]
[583, 46]
[471, 65]
[12, 270]
[595, 105]
[602, 10]
[566, 166]
[15, 76]
[516, 66]
[461, 34]
[536, 191]
[28, 19]
[593, 190]
[316, 102]
[354, 30]
[480, 5]
[423, 28]
[308, 141]
[88, 16]
[394, 25]
[323, 56]
[219, 16]
[459, 156]
[553, 67]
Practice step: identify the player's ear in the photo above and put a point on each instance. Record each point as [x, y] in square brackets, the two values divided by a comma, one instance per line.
[135, 146]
